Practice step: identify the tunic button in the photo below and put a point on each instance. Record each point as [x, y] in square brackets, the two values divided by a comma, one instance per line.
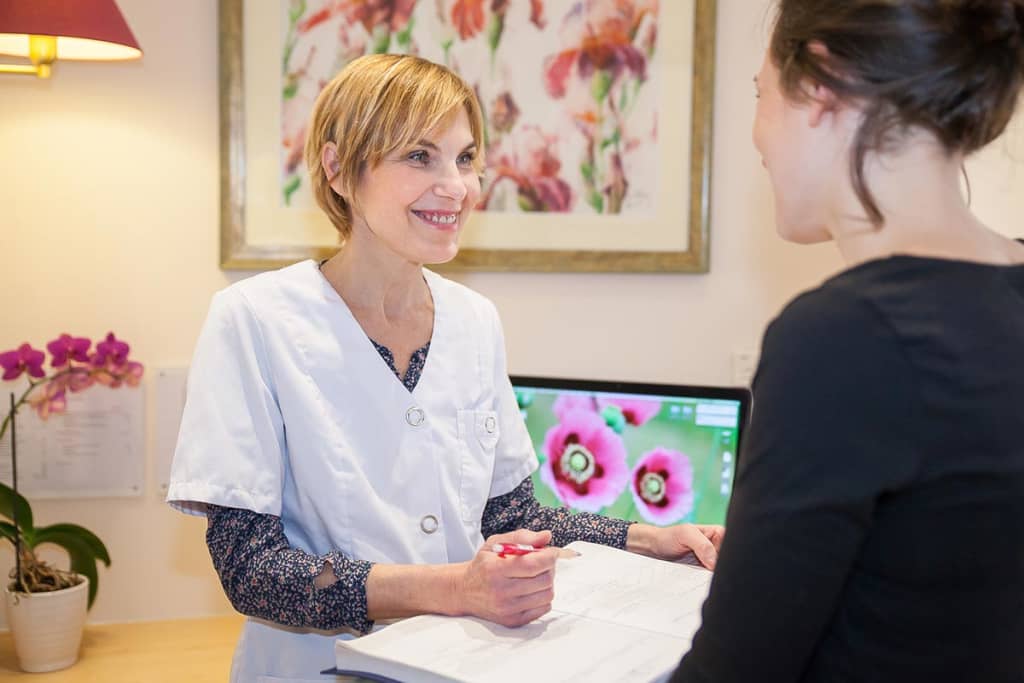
[490, 423]
[415, 416]
[428, 524]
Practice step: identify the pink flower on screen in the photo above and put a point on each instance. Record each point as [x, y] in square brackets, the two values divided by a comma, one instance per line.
[567, 403]
[636, 411]
[586, 461]
[662, 486]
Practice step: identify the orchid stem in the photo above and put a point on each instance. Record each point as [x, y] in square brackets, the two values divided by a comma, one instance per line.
[14, 407]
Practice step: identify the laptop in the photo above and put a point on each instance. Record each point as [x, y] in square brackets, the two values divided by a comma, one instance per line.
[656, 453]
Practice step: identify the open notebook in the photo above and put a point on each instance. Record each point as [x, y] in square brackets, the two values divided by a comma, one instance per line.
[616, 617]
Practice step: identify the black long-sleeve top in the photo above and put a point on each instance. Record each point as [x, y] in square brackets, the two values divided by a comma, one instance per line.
[876, 530]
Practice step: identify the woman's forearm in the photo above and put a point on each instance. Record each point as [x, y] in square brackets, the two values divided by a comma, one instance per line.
[400, 590]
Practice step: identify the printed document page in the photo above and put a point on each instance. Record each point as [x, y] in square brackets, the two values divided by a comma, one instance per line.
[616, 617]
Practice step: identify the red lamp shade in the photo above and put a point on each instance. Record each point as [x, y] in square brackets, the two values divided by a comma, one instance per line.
[83, 29]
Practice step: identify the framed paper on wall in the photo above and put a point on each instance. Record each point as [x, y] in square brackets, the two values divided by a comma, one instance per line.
[597, 114]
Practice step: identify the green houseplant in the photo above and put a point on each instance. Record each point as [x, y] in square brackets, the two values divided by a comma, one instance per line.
[33, 620]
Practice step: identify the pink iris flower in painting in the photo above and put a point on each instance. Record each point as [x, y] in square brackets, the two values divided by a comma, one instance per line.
[600, 35]
[636, 411]
[394, 14]
[469, 17]
[526, 159]
[662, 486]
[586, 461]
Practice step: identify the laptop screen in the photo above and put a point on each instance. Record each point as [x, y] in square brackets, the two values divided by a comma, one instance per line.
[656, 453]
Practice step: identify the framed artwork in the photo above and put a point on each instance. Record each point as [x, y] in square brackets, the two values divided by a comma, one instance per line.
[598, 119]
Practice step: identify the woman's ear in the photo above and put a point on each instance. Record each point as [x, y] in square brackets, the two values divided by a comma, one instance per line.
[821, 99]
[332, 167]
[329, 161]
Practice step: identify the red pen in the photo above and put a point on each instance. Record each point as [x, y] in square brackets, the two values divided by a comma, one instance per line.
[504, 549]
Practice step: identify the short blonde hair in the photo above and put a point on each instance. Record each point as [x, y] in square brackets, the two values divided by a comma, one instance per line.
[376, 105]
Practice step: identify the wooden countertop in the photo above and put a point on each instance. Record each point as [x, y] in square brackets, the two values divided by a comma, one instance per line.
[196, 650]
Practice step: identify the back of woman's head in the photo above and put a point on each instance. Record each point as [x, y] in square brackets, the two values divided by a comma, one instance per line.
[950, 67]
[376, 105]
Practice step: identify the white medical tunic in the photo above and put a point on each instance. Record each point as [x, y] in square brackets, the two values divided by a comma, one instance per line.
[292, 412]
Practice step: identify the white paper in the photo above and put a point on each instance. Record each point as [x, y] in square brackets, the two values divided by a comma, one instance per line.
[616, 617]
[94, 449]
[168, 405]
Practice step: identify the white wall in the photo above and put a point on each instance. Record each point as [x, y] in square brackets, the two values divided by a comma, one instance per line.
[108, 220]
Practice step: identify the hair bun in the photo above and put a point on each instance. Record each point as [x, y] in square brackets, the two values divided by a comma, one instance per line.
[987, 22]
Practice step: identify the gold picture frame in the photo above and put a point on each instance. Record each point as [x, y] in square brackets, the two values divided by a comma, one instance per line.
[686, 226]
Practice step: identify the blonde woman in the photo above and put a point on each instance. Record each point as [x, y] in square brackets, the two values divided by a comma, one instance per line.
[350, 430]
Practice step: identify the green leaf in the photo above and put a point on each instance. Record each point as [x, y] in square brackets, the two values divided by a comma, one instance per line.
[83, 559]
[7, 505]
[289, 90]
[600, 84]
[596, 200]
[494, 31]
[297, 10]
[7, 531]
[290, 186]
[404, 37]
[381, 39]
[587, 171]
[613, 139]
[91, 540]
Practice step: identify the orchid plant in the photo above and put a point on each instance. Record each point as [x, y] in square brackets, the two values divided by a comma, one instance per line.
[73, 368]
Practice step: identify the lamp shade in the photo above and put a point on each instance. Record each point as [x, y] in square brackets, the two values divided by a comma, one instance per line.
[84, 29]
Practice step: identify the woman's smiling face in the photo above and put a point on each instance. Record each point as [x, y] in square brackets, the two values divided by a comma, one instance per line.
[416, 200]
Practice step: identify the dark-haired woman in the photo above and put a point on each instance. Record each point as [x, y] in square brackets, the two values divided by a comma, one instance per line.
[877, 527]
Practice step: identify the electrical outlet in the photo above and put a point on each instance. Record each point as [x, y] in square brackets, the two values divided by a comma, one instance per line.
[744, 364]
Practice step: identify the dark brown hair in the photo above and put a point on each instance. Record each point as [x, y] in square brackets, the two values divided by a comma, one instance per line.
[951, 67]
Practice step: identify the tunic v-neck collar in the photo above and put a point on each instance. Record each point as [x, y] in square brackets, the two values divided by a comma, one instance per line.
[331, 294]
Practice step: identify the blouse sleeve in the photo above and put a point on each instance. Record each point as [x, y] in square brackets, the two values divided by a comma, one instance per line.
[520, 509]
[264, 577]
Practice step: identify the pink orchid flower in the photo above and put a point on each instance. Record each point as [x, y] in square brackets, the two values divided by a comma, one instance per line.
[662, 486]
[22, 359]
[111, 352]
[74, 370]
[67, 347]
[586, 461]
[53, 400]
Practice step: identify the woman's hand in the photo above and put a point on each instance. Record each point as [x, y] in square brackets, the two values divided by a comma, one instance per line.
[511, 590]
[674, 542]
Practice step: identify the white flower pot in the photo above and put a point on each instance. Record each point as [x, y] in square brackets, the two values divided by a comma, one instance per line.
[47, 627]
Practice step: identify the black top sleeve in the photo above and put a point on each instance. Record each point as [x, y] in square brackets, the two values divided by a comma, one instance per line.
[824, 443]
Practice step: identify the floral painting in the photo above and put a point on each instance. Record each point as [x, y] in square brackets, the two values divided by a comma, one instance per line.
[568, 87]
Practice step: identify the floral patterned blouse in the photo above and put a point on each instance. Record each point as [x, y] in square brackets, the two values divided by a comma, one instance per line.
[264, 577]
